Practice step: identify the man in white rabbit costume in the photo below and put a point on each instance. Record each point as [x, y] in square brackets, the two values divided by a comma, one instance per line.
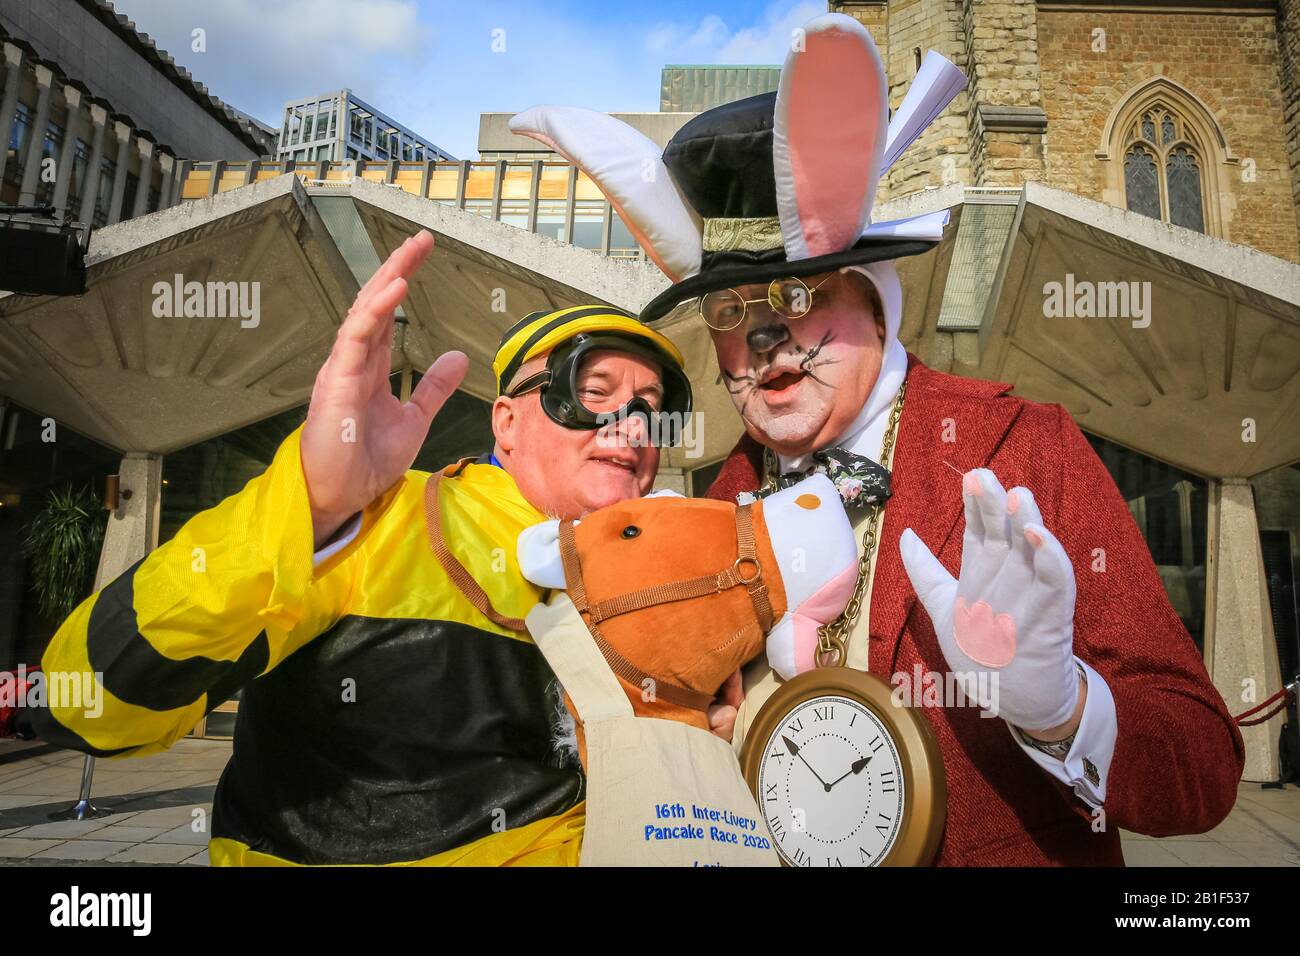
[1103, 715]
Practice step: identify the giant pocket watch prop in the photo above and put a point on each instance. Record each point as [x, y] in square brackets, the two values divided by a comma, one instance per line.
[843, 776]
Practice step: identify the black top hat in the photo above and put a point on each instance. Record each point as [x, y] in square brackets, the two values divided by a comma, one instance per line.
[722, 162]
[779, 184]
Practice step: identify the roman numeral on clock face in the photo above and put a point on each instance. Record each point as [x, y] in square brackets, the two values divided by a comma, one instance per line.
[823, 713]
[769, 793]
[796, 725]
[883, 828]
[801, 859]
[887, 782]
[876, 743]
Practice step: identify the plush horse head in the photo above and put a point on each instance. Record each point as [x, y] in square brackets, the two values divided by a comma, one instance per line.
[680, 592]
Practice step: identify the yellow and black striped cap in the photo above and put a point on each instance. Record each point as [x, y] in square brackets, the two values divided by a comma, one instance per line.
[539, 332]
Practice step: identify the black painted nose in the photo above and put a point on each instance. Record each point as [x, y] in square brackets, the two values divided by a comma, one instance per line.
[766, 337]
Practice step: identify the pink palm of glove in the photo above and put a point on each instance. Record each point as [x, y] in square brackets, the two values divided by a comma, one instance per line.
[1010, 614]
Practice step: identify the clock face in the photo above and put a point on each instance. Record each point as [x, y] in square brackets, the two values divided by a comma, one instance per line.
[830, 784]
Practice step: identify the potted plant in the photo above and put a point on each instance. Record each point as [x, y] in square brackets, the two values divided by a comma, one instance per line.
[62, 541]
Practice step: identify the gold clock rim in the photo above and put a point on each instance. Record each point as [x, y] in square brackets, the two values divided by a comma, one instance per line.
[925, 797]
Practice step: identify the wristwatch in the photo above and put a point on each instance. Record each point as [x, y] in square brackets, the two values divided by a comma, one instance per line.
[1056, 748]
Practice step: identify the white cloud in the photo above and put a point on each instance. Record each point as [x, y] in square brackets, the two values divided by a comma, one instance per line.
[711, 40]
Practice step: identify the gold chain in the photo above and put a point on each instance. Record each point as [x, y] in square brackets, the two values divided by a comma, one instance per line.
[832, 638]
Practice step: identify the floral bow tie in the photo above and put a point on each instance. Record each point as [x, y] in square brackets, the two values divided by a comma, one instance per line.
[859, 480]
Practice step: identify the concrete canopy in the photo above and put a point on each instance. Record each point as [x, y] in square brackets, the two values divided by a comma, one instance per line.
[1222, 345]
[105, 365]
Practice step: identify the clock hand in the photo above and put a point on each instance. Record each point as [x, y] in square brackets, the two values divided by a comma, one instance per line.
[794, 750]
[856, 768]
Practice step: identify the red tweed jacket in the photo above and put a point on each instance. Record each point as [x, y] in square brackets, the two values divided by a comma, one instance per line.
[1178, 755]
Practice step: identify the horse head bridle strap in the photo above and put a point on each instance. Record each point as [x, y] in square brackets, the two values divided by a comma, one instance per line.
[747, 555]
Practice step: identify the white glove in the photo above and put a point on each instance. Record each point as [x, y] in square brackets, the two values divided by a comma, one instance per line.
[1010, 616]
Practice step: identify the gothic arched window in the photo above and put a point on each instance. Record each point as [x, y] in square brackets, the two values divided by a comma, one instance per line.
[1163, 169]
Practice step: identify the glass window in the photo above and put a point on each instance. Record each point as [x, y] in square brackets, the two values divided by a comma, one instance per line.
[104, 195]
[1277, 509]
[80, 162]
[480, 181]
[551, 218]
[1140, 184]
[518, 183]
[514, 212]
[409, 176]
[586, 189]
[1184, 176]
[442, 182]
[554, 182]
[128, 197]
[50, 149]
[621, 243]
[479, 207]
[589, 223]
[1171, 509]
[20, 135]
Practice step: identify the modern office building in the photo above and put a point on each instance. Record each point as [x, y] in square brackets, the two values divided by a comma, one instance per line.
[84, 89]
[339, 126]
[1071, 155]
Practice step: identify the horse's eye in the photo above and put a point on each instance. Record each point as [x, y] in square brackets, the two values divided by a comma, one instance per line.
[631, 531]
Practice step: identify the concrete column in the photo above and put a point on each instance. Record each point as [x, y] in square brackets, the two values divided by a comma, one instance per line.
[672, 479]
[123, 133]
[132, 530]
[13, 75]
[32, 172]
[68, 155]
[146, 178]
[167, 164]
[1241, 652]
[90, 189]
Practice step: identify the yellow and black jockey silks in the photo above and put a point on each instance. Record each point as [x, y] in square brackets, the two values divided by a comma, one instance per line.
[383, 719]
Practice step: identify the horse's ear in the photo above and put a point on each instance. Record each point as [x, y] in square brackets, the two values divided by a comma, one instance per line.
[538, 552]
[828, 136]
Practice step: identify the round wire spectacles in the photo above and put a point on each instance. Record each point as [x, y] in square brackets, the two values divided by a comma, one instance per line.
[792, 298]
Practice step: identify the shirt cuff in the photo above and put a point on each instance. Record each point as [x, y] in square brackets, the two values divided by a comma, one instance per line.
[1087, 765]
[344, 538]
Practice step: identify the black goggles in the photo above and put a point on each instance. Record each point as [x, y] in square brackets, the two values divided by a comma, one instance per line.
[559, 389]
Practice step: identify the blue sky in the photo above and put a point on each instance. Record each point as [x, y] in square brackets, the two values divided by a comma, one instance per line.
[431, 65]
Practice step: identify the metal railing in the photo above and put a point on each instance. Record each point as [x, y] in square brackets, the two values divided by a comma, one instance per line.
[551, 198]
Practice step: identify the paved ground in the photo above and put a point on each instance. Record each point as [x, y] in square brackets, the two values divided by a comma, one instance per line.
[160, 807]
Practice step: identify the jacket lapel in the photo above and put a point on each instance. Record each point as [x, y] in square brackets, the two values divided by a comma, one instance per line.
[927, 470]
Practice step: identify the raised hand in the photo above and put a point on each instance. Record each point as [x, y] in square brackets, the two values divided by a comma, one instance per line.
[1011, 611]
[359, 438]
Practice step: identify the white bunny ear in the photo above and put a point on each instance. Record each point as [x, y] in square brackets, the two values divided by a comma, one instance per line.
[538, 551]
[828, 136]
[628, 168]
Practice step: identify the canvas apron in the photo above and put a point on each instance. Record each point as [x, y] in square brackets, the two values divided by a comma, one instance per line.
[659, 792]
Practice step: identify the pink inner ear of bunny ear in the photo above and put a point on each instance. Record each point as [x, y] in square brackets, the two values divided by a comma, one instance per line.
[834, 105]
